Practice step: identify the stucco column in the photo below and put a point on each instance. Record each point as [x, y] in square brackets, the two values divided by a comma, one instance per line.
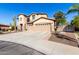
[50, 28]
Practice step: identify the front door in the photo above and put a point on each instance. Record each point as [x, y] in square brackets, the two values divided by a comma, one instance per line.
[21, 26]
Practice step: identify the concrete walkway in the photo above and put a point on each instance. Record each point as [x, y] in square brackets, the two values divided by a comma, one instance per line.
[36, 40]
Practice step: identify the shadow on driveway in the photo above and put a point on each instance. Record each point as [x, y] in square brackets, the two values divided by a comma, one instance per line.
[10, 48]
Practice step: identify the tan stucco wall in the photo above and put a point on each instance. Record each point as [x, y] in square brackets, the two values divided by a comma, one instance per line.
[23, 21]
[60, 28]
[42, 20]
[37, 16]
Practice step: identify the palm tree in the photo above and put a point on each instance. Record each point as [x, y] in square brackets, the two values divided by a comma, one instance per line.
[74, 8]
[60, 19]
[75, 22]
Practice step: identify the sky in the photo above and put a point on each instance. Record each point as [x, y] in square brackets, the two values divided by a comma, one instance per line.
[9, 10]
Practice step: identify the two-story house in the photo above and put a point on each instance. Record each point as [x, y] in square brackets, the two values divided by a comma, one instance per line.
[35, 22]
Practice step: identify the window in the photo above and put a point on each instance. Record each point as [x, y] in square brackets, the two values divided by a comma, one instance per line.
[28, 20]
[20, 18]
[33, 16]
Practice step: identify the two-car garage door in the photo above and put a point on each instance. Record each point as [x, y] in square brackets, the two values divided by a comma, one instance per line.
[41, 27]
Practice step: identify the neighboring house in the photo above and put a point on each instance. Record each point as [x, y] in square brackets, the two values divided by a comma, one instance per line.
[4, 27]
[35, 22]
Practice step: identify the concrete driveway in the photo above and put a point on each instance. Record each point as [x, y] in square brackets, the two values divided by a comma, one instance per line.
[10, 48]
[39, 42]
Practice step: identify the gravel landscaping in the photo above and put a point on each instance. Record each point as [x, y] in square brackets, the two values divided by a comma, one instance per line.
[62, 40]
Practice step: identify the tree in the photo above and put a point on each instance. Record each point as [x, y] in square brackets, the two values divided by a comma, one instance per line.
[11, 27]
[14, 23]
[74, 8]
[60, 19]
[75, 22]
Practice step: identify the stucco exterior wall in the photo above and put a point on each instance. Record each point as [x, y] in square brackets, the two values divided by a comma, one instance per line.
[37, 17]
[60, 28]
[22, 20]
[43, 21]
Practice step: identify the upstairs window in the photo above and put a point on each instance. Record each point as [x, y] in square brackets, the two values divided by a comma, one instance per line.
[33, 17]
[28, 20]
[20, 18]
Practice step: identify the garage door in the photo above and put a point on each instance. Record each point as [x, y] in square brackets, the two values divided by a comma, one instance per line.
[40, 27]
